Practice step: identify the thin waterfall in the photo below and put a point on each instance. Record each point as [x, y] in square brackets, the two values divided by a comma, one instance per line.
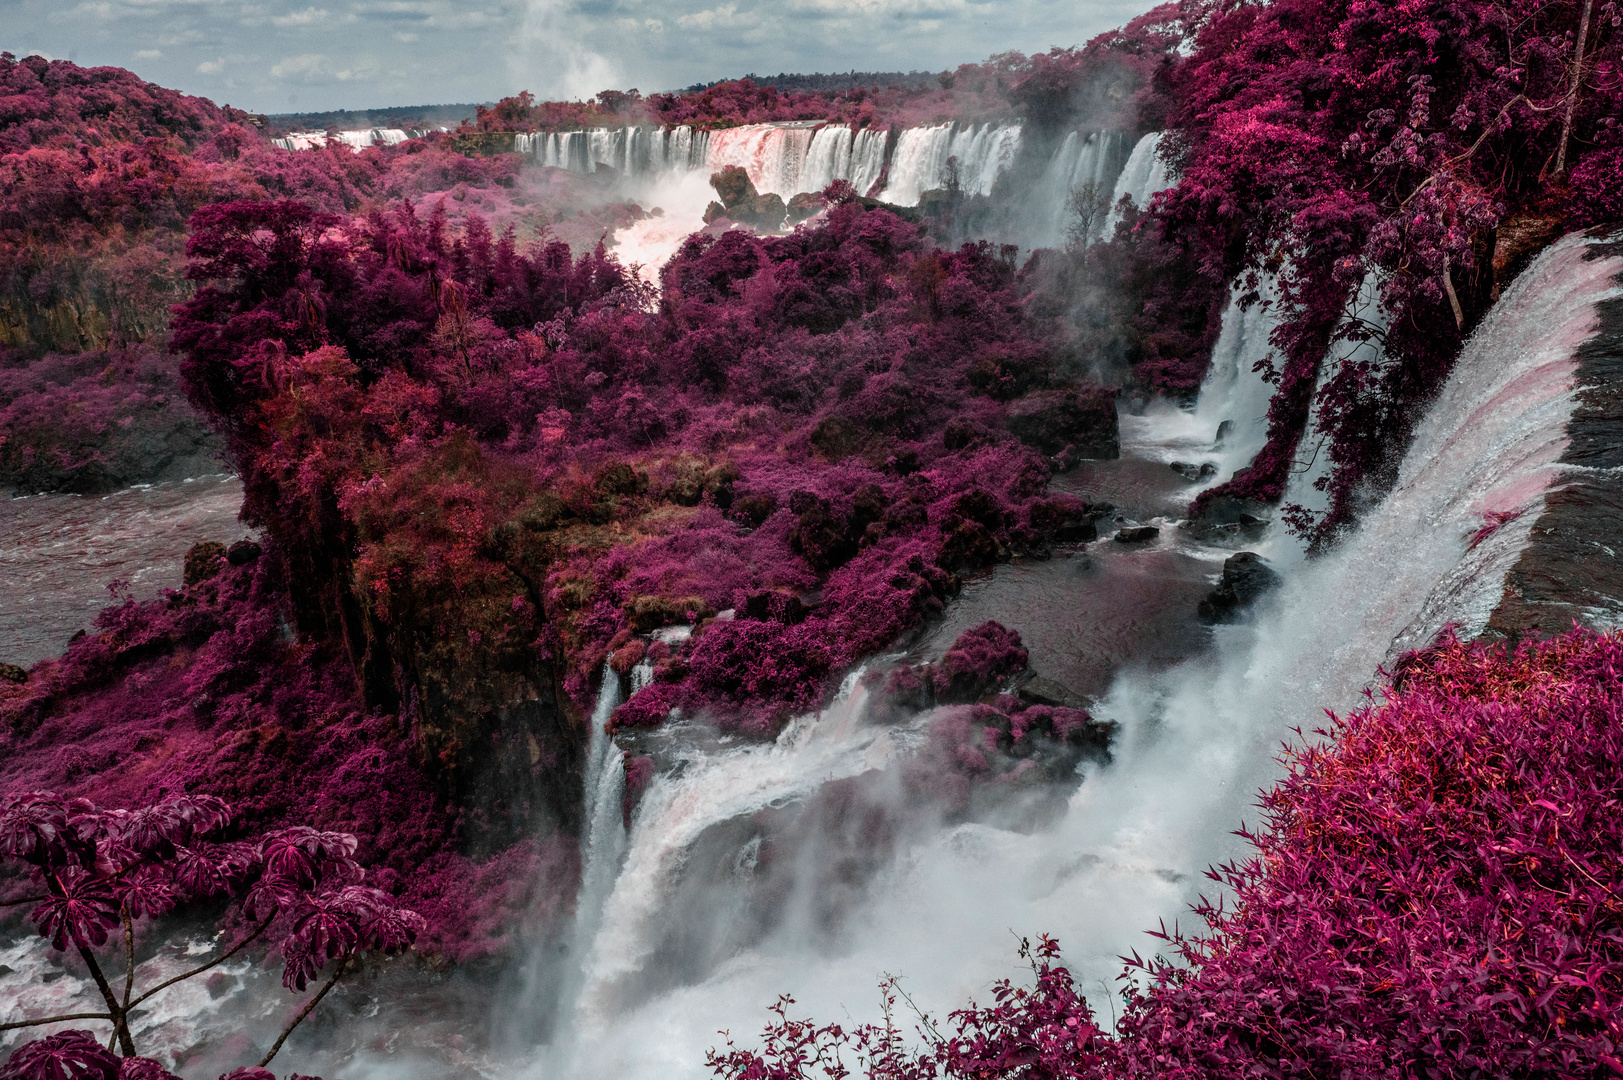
[1143, 176]
[983, 152]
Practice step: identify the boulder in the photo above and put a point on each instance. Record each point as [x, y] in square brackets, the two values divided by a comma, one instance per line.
[1042, 691]
[804, 205]
[743, 204]
[1190, 471]
[13, 674]
[1246, 578]
[203, 561]
[1079, 420]
[243, 551]
[1137, 534]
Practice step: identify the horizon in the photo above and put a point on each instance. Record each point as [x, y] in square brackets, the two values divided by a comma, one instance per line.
[360, 55]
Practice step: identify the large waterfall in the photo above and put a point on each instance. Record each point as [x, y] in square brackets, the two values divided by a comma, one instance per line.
[676, 959]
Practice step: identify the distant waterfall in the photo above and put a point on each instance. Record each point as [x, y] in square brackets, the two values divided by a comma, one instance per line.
[355, 140]
[1081, 161]
[982, 151]
[1144, 175]
[773, 155]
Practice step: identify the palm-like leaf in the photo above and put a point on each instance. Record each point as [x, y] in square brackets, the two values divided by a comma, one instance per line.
[67, 1055]
[86, 909]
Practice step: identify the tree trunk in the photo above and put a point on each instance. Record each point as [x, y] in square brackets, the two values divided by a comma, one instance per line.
[1572, 94]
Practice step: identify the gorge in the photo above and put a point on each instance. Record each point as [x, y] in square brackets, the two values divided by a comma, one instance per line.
[746, 542]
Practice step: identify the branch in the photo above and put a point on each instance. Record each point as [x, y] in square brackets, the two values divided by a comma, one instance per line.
[53, 1020]
[343, 966]
[1572, 97]
[125, 1043]
[24, 900]
[129, 965]
[235, 949]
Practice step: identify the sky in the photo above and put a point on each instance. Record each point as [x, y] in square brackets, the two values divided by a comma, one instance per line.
[298, 55]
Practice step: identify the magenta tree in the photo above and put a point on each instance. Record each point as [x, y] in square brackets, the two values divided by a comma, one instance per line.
[97, 872]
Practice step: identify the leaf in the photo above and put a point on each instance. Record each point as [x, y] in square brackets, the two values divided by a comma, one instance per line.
[67, 1055]
[84, 913]
[150, 891]
[271, 894]
[140, 1068]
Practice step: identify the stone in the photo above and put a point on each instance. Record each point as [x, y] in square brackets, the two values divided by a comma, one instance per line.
[1223, 430]
[1247, 577]
[804, 205]
[1082, 421]
[13, 674]
[203, 561]
[1190, 471]
[243, 551]
[1137, 534]
[1039, 690]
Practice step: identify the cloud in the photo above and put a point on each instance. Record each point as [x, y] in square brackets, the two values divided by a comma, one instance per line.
[310, 16]
[551, 55]
[723, 16]
[149, 54]
[211, 67]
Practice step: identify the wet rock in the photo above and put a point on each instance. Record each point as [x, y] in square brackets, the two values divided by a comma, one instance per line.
[1043, 691]
[243, 551]
[804, 205]
[1223, 430]
[1137, 534]
[1190, 471]
[743, 203]
[11, 673]
[1246, 578]
[1078, 423]
[203, 561]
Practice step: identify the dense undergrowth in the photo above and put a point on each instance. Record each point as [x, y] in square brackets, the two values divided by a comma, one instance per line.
[1433, 891]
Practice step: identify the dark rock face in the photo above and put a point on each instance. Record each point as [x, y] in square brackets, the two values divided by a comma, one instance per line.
[1040, 691]
[243, 551]
[1246, 578]
[203, 561]
[1137, 534]
[12, 673]
[740, 201]
[1572, 568]
[1054, 421]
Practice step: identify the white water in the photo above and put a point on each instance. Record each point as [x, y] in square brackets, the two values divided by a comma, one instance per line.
[1144, 175]
[1082, 161]
[920, 163]
[1195, 743]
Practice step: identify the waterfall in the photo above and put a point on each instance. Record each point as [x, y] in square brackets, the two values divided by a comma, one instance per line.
[1092, 160]
[983, 151]
[772, 154]
[828, 158]
[868, 158]
[1194, 744]
[1143, 176]
[710, 790]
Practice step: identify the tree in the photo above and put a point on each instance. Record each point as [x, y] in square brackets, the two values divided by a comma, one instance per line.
[99, 871]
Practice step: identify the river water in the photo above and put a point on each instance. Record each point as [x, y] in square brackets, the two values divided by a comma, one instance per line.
[59, 554]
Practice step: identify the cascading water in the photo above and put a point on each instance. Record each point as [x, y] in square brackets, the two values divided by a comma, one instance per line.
[920, 163]
[1145, 173]
[1194, 744]
[1081, 162]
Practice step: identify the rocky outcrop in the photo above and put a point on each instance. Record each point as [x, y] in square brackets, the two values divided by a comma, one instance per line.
[740, 202]
[1076, 422]
[1247, 577]
[1572, 568]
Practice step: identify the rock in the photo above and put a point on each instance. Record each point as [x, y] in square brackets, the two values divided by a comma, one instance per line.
[13, 674]
[203, 561]
[1042, 691]
[1137, 534]
[743, 203]
[804, 205]
[1246, 578]
[1223, 430]
[1190, 471]
[243, 551]
[1081, 420]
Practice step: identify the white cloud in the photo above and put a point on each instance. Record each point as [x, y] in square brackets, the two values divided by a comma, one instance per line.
[211, 67]
[722, 16]
[304, 64]
[150, 54]
[310, 16]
